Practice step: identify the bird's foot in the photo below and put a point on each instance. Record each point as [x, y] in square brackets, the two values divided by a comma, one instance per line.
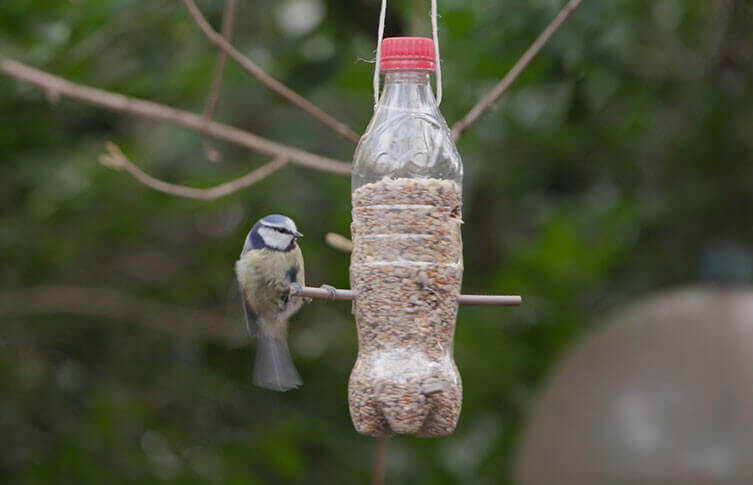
[296, 289]
[331, 290]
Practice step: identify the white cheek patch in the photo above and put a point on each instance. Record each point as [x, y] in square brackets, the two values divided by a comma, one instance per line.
[275, 239]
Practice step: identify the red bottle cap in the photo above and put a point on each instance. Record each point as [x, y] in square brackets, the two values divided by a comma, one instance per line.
[408, 53]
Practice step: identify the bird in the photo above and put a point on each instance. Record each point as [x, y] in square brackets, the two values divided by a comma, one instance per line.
[270, 274]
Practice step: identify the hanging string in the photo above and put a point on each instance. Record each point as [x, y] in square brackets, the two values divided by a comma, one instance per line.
[435, 35]
[380, 38]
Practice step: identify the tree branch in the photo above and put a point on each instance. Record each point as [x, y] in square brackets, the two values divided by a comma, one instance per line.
[56, 86]
[418, 19]
[116, 160]
[228, 18]
[267, 80]
[380, 461]
[112, 304]
[339, 242]
[724, 11]
[491, 98]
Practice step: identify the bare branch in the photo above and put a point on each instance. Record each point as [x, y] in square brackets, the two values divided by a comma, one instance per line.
[252, 68]
[339, 242]
[116, 160]
[228, 18]
[491, 98]
[380, 461]
[115, 305]
[418, 19]
[477, 300]
[56, 86]
[724, 14]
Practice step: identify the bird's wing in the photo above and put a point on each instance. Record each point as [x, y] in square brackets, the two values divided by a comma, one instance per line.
[249, 314]
[301, 266]
[247, 245]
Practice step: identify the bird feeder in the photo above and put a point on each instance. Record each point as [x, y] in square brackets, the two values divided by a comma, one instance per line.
[407, 262]
[406, 265]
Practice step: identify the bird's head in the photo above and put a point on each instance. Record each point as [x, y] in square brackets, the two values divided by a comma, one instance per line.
[274, 232]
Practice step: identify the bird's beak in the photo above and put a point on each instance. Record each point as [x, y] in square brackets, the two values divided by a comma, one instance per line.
[297, 235]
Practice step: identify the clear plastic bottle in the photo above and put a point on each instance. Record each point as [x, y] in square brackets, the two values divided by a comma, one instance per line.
[406, 266]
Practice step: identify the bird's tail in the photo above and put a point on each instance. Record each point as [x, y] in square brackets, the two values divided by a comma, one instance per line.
[274, 368]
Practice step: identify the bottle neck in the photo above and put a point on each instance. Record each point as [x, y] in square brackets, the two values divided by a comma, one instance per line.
[411, 77]
[408, 90]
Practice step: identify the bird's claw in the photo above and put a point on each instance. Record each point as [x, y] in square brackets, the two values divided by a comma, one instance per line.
[296, 289]
[331, 290]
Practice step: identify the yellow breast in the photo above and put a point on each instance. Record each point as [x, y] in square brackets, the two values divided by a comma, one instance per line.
[264, 277]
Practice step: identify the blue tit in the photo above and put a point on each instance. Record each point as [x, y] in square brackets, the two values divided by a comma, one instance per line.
[270, 268]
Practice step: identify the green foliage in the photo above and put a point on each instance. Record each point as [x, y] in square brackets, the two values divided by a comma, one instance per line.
[620, 162]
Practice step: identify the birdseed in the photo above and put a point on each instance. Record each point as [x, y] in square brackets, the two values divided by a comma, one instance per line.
[406, 269]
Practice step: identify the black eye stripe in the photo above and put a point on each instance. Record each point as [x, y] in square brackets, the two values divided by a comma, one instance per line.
[282, 230]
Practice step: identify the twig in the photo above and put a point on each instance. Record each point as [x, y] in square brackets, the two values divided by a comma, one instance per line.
[380, 461]
[491, 98]
[252, 68]
[724, 14]
[418, 19]
[58, 86]
[477, 300]
[228, 18]
[103, 303]
[339, 242]
[116, 160]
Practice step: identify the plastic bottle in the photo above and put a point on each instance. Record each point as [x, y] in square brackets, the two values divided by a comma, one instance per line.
[406, 266]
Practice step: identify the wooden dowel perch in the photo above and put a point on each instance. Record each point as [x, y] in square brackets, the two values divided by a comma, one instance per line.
[491, 300]
[478, 300]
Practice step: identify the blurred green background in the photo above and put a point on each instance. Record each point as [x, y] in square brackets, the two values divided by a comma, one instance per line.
[618, 164]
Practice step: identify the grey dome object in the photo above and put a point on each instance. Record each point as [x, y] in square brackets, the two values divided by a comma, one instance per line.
[661, 393]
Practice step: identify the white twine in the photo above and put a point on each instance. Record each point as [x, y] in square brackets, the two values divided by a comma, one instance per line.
[435, 35]
[380, 38]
